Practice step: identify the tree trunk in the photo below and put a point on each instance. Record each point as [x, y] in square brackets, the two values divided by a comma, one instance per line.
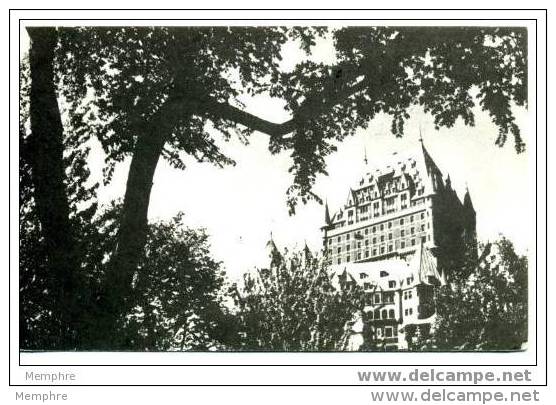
[48, 174]
[132, 232]
[131, 238]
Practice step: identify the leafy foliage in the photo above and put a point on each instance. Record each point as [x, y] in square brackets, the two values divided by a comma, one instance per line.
[178, 293]
[390, 70]
[40, 314]
[127, 74]
[486, 310]
[295, 306]
[178, 297]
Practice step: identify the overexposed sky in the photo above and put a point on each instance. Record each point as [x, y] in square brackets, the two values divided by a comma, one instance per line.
[240, 206]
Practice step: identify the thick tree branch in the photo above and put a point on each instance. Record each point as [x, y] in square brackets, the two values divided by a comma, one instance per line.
[227, 111]
[311, 108]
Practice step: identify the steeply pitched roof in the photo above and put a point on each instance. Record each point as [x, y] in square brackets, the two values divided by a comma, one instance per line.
[414, 167]
[467, 203]
[327, 219]
[425, 264]
[422, 269]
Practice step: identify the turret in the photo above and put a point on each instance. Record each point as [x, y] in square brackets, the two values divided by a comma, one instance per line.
[327, 220]
[307, 255]
[469, 210]
[273, 254]
[467, 203]
[470, 217]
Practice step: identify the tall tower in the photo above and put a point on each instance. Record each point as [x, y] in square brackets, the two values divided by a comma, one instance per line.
[401, 231]
[470, 216]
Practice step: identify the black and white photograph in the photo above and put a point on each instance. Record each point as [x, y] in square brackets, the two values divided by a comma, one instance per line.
[275, 188]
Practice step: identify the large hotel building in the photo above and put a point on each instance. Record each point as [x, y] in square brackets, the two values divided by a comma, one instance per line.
[398, 235]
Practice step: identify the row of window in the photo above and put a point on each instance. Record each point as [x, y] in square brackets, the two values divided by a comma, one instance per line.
[388, 205]
[377, 212]
[388, 296]
[377, 251]
[381, 227]
[386, 314]
[387, 332]
[375, 240]
[391, 283]
[371, 192]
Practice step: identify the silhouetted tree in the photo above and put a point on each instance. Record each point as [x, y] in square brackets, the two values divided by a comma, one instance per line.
[177, 301]
[487, 308]
[56, 204]
[44, 155]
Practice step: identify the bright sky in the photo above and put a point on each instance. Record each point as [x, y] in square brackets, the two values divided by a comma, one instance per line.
[240, 206]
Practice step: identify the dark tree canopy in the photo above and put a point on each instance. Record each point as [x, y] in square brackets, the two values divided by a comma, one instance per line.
[44, 303]
[486, 309]
[198, 75]
[178, 288]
